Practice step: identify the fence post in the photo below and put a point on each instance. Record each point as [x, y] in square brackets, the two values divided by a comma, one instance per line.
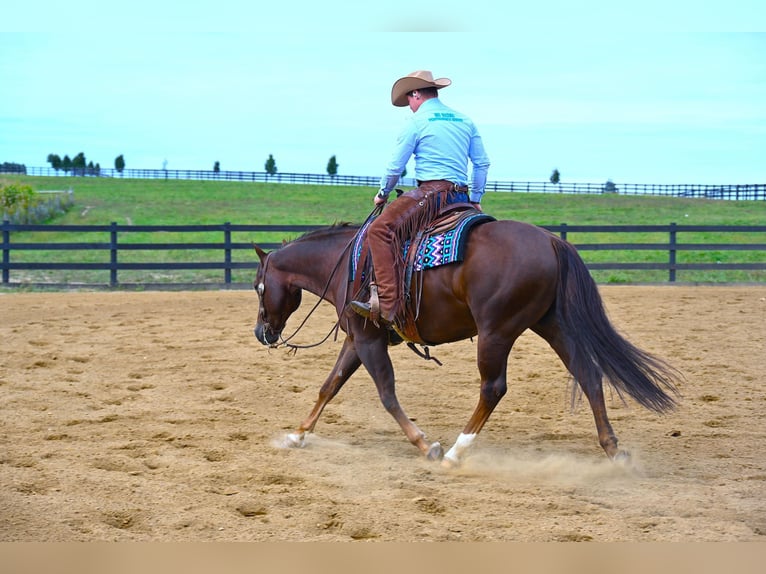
[564, 231]
[6, 251]
[227, 252]
[113, 255]
[672, 254]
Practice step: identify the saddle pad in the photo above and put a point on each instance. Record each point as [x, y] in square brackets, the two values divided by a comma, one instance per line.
[447, 247]
[434, 250]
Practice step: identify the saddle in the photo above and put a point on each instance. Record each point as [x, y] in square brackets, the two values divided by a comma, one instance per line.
[442, 243]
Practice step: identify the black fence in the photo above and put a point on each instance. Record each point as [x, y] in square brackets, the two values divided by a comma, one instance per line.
[730, 192]
[116, 244]
[741, 192]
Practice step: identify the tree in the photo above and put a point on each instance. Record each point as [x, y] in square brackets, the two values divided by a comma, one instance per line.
[332, 167]
[66, 163]
[217, 166]
[119, 163]
[609, 187]
[13, 167]
[270, 166]
[555, 176]
[78, 164]
[54, 160]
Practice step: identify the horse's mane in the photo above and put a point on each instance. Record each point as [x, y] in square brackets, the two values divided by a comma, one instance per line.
[328, 230]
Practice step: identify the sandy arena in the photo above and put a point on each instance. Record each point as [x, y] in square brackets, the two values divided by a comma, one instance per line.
[158, 416]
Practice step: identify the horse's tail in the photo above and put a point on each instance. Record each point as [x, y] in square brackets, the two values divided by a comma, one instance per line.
[596, 349]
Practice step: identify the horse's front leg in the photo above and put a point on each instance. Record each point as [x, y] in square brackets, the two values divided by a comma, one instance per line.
[374, 355]
[346, 365]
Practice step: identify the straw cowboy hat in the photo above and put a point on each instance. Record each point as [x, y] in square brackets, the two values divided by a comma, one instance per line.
[415, 81]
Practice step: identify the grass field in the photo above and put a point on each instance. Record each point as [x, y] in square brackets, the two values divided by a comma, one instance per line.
[178, 202]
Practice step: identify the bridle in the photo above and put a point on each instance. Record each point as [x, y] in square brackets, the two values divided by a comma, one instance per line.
[261, 289]
[285, 342]
[293, 348]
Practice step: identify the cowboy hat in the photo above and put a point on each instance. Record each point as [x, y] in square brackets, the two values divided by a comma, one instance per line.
[415, 81]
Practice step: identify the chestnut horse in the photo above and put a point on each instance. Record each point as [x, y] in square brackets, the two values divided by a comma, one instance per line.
[514, 276]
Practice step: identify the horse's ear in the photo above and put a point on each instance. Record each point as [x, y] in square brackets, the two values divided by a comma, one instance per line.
[261, 253]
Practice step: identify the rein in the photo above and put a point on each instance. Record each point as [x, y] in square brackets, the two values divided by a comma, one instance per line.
[285, 342]
[293, 348]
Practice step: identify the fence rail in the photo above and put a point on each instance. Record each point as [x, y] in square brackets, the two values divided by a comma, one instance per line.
[116, 243]
[710, 191]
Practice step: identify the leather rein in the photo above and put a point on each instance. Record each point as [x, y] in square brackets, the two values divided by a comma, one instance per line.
[285, 342]
[293, 348]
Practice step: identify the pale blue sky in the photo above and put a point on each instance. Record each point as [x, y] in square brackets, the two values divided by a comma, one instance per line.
[593, 100]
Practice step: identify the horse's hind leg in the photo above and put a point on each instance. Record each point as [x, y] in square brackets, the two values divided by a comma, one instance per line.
[493, 361]
[591, 384]
[346, 365]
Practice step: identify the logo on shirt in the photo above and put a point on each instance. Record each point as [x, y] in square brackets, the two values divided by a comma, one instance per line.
[444, 117]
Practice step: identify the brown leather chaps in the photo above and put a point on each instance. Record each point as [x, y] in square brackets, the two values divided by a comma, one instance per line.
[400, 221]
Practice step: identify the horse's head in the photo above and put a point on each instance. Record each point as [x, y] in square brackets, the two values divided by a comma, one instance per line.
[278, 299]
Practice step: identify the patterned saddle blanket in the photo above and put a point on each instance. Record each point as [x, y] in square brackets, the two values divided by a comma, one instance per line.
[443, 244]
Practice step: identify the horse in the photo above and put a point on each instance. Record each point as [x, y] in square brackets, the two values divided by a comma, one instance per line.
[514, 276]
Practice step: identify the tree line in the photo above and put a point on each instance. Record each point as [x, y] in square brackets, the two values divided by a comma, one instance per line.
[78, 165]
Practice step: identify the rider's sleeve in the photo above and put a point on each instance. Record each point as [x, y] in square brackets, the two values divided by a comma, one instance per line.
[405, 146]
[387, 183]
[480, 162]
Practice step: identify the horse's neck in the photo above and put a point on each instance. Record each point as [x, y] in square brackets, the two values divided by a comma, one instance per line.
[319, 269]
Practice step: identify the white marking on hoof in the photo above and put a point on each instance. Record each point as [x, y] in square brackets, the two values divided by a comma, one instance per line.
[623, 458]
[462, 444]
[293, 440]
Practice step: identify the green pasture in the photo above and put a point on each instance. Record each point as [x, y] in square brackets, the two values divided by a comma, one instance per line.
[100, 201]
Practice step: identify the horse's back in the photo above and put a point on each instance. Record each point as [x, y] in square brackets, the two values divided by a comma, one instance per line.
[509, 266]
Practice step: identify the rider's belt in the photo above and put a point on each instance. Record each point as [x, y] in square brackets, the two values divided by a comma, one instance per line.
[442, 185]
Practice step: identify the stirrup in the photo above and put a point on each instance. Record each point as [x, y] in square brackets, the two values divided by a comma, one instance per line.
[366, 311]
[361, 308]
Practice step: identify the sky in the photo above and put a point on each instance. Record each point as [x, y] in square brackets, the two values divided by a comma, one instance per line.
[632, 97]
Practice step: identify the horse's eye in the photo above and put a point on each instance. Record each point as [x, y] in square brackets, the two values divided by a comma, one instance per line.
[260, 289]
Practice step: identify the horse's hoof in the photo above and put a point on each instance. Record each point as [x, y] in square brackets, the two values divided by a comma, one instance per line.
[622, 458]
[435, 452]
[293, 440]
[449, 462]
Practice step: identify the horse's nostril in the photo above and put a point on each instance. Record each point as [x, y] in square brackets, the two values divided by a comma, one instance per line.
[260, 334]
[265, 334]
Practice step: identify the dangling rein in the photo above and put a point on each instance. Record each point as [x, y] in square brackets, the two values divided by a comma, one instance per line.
[334, 329]
[293, 348]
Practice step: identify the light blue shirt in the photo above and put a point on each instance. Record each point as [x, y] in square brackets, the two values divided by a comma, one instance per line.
[442, 140]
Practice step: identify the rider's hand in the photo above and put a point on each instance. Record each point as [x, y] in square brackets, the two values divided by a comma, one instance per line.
[380, 200]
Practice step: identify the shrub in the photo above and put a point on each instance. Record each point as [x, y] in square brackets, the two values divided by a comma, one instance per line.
[609, 187]
[15, 197]
[21, 204]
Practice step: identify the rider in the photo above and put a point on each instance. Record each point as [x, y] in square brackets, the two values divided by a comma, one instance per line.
[442, 140]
